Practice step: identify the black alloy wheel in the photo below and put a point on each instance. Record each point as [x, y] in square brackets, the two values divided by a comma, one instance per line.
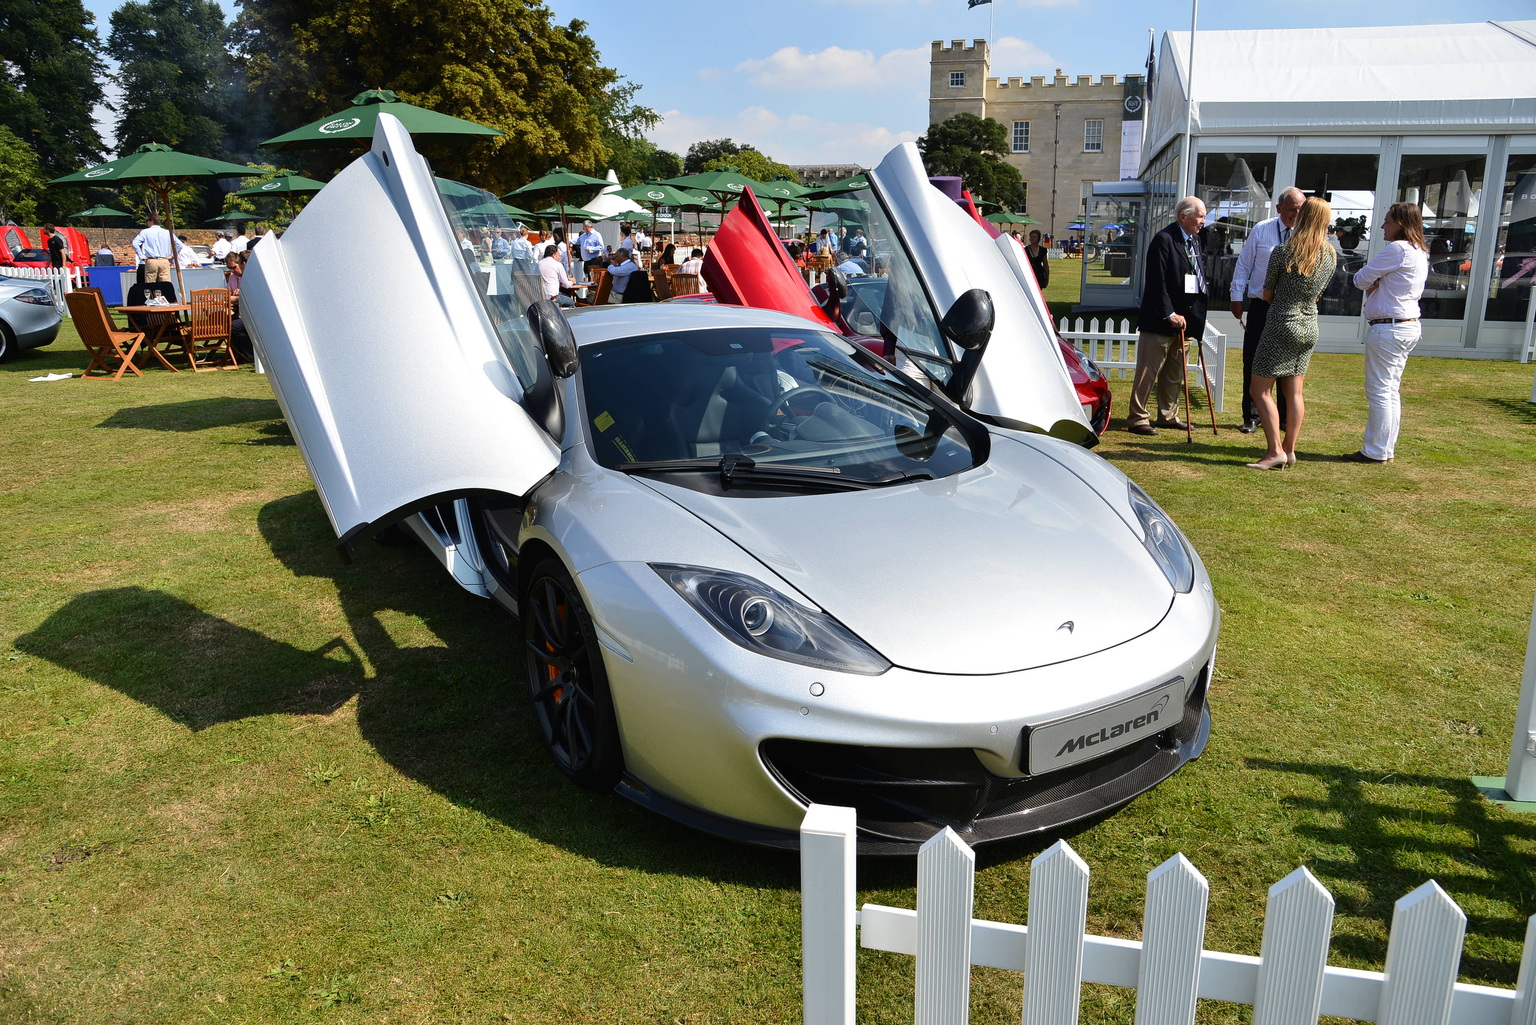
[566, 679]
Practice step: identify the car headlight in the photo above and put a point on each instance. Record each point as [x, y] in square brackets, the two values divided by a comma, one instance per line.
[35, 297]
[1164, 541]
[1091, 368]
[761, 619]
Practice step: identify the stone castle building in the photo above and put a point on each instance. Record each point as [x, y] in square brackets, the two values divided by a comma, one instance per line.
[1065, 134]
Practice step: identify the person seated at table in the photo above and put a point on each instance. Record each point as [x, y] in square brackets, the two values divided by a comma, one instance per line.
[501, 249]
[850, 267]
[669, 255]
[234, 270]
[556, 282]
[694, 264]
[620, 267]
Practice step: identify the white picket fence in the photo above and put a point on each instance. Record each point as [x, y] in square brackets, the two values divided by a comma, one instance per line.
[1113, 348]
[1289, 983]
[60, 281]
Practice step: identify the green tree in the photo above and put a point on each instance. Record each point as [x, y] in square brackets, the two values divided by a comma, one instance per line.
[633, 157]
[21, 179]
[49, 84]
[754, 164]
[702, 152]
[173, 66]
[502, 63]
[973, 147]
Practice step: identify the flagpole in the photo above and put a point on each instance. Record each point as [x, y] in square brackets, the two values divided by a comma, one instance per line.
[991, 24]
[1186, 172]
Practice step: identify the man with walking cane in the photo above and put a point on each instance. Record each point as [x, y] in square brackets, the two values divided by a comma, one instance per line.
[1173, 303]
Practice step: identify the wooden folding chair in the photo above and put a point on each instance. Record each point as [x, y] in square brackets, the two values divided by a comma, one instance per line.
[101, 339]
[661, 283]
[600, 295]
[208, 329]
[686, 284]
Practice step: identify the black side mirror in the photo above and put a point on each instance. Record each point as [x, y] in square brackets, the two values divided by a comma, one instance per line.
[968, 324]
[543, 397]
[970, 320]
[555, 337]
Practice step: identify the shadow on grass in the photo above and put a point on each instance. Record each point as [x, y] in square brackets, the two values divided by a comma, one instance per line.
[1385, 835]
[453, 716]
[1176, 449]
[194, 415]
[1520, 409]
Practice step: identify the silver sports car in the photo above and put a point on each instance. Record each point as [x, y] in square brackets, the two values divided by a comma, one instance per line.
[755, 564]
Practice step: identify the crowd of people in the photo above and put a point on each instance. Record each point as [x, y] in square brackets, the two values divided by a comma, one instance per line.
[1285, 264]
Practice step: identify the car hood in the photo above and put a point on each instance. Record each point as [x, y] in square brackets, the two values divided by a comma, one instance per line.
[1012, 565]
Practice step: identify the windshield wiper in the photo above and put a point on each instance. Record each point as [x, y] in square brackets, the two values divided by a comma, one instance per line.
[737, 469]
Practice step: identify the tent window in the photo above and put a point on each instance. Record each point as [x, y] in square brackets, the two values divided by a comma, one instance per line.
[1348, 182]
[1447, 189]
[1511, 289]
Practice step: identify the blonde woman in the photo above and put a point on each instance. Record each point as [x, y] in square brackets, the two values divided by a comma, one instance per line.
[1299, 270]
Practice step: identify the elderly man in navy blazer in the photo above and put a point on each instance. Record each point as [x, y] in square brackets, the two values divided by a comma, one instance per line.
[1173, 302]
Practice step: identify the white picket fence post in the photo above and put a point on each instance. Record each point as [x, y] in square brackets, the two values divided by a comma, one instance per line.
[1290, 983]
[1111, 347]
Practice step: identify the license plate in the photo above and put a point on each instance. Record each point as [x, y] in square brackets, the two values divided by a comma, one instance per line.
[1088, 735]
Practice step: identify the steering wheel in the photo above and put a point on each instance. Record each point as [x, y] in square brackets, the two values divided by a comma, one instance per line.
[790, 396]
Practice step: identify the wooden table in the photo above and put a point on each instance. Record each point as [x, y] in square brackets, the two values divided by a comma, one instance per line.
[158, 320]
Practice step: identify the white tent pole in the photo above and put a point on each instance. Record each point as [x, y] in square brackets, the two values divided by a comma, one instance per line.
[1186, 172]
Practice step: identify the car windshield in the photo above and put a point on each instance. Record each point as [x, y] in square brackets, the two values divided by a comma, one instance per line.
[500, 262]
[779, 401]
[886, 298]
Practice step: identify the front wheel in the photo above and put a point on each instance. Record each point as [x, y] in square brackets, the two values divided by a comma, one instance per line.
[571, 701]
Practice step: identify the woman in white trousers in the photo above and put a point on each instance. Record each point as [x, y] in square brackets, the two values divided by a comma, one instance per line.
[1393, 282]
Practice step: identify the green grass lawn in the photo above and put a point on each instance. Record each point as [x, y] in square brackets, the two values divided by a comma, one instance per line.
[242, 781]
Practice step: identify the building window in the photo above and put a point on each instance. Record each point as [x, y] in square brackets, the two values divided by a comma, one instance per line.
[1093, 135]
[956, 79]
[1021, 136]
[1024, 192]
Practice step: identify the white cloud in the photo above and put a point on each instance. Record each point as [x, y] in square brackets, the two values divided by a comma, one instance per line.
[837, 68]
[1013, 57]
[791, 138]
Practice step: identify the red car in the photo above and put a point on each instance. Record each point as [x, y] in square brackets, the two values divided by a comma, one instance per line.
[77, 251]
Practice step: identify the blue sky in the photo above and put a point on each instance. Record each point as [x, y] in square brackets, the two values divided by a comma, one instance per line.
[842, 81]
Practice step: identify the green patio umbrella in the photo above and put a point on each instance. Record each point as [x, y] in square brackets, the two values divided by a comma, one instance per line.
[99, 214]
[726, 184]
[1004, 217]
[355, 124]
[560, 186]
[159, 169]
[235, 217]
[781, 192]
[286, 184]
[850, 184]
[656, 195]
[493, 212]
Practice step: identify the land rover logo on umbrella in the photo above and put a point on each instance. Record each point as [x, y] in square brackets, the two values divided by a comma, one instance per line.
[653, 194]
[269, 186]
[98, 172]
[734, 186]
[341, 124]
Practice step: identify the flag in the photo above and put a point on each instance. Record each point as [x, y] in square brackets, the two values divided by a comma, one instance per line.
[1151, 63]
[975, 3]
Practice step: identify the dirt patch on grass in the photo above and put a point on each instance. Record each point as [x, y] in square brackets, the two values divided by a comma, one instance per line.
[197, 516]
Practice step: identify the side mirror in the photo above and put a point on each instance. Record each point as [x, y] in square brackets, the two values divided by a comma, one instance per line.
[835, 290]
[968, 324]
[554, 336]
[970, 320]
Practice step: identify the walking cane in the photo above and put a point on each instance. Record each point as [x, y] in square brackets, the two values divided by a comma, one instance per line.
[1210, 399]
[1189, 430]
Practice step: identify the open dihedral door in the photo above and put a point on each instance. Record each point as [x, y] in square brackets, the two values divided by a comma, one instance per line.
[747, 266]
[1021, 379]
[381, 353]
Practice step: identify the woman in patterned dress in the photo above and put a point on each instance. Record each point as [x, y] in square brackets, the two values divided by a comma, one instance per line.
[1299, 269]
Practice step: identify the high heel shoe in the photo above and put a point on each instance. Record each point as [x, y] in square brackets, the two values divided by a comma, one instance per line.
[1279, 462]
[1290, 461]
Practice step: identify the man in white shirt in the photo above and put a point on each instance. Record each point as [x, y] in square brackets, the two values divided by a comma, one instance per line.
[593, 250]
[694, 264]
[1393, 281]
[153, 248]
[1248, 281]
[240, 243]
[553, 277]
[220, 247]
